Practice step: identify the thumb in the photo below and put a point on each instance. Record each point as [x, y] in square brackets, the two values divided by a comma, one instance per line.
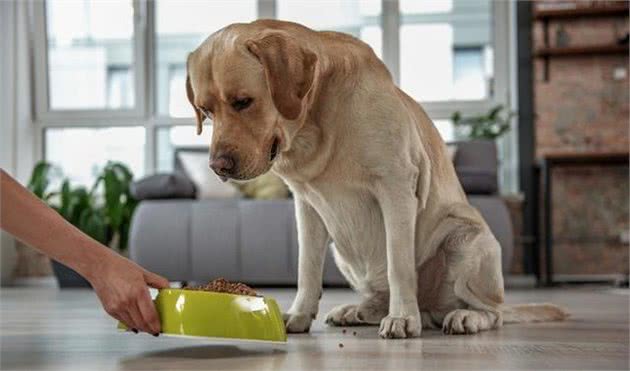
[156, 281]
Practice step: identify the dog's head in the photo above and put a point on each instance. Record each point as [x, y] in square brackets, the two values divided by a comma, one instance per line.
[254, 89]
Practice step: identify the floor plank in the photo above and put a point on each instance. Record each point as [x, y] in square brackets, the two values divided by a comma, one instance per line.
[44, 329]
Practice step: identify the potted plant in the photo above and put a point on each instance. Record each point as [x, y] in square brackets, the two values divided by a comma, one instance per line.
[489, 126]
[103, 212]
[30, 263]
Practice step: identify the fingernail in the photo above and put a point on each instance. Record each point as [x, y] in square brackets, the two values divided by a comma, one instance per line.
[134, 330]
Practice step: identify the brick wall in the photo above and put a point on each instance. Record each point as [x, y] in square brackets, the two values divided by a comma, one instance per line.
[583, 107]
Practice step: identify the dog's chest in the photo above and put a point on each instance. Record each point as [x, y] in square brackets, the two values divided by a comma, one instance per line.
[353, 220]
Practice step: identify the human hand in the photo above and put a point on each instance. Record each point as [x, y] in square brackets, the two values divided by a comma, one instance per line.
[120, 284]
[122, 287]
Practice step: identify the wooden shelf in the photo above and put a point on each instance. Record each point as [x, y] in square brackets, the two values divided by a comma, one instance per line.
[581, 50]
[578, 156]
[597, 11]
[546, 15]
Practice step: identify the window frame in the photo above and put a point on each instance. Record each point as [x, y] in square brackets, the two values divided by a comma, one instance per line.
[145, 112]
[71, 117]
[441, 110]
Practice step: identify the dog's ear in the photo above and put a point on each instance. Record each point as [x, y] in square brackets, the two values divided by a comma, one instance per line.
[289, 70]
[191, 98]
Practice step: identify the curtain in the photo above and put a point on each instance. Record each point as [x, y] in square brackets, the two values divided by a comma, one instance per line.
[18, 134]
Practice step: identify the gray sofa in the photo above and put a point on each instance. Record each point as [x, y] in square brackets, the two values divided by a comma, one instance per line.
[255, 241]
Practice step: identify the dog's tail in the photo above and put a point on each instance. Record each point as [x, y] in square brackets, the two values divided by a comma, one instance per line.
[544, 312]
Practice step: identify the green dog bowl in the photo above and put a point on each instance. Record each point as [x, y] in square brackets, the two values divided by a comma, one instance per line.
[192, 313]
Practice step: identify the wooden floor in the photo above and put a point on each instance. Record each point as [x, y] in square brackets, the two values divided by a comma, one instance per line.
[53, 330]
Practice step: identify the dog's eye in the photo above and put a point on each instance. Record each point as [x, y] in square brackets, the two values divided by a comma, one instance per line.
[241, 104]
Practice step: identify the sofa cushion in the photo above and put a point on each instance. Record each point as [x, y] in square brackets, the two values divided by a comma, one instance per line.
[477, 180]
[476, 166]
[160, 186]
[267, 186]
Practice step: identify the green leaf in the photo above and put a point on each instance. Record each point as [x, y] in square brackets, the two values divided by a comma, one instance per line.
[113, 193]
[92, 223]
[494, 112]
[456, 117]
[118, 204]
[39, 181]
[65, 199]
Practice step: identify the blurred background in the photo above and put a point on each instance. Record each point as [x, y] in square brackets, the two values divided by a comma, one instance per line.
[531, 96]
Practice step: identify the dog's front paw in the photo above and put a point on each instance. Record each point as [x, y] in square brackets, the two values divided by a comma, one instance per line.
[297, 322]
[400, 327]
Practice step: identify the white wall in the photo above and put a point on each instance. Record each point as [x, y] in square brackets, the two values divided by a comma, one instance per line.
[18, 149]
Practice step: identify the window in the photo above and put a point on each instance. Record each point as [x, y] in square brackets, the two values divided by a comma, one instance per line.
[171, 138]
[180, 27]
[360, 18]
[82, 152]
[178, 105]
[425, 6]
[446, 129]
[119, 87]
[110, 75]
[446, 49]
[90, 54]
[470, 78]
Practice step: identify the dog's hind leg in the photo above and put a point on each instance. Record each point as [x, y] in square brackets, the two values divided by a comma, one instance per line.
[467, 321]
[369, 312]
[474, 264]
[480, 286]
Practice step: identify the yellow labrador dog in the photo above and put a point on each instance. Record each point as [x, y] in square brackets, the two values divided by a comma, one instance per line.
[369, 172]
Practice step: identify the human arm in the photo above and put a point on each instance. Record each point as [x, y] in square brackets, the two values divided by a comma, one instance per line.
[120, 284]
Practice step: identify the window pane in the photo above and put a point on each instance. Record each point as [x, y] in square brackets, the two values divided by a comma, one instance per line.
[90, 54]
[468, 74]
[181, 26]
[426, 61]
[360, 18]
[171, 138]
[425, 6]
[373, 36]
[446, 129]
[446, 49]
[82, 152]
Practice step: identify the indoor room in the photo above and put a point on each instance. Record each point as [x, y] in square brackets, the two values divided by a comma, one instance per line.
[314, 184]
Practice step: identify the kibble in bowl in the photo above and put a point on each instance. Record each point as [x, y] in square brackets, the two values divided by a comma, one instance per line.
[223, 285]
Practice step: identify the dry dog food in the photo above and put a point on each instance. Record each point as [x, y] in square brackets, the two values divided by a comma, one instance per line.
[223, 285]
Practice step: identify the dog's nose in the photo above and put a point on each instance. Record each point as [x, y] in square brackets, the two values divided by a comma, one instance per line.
[223, 165]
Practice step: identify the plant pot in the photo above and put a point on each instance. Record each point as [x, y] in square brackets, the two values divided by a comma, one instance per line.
[67, 277]
[30, 262]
